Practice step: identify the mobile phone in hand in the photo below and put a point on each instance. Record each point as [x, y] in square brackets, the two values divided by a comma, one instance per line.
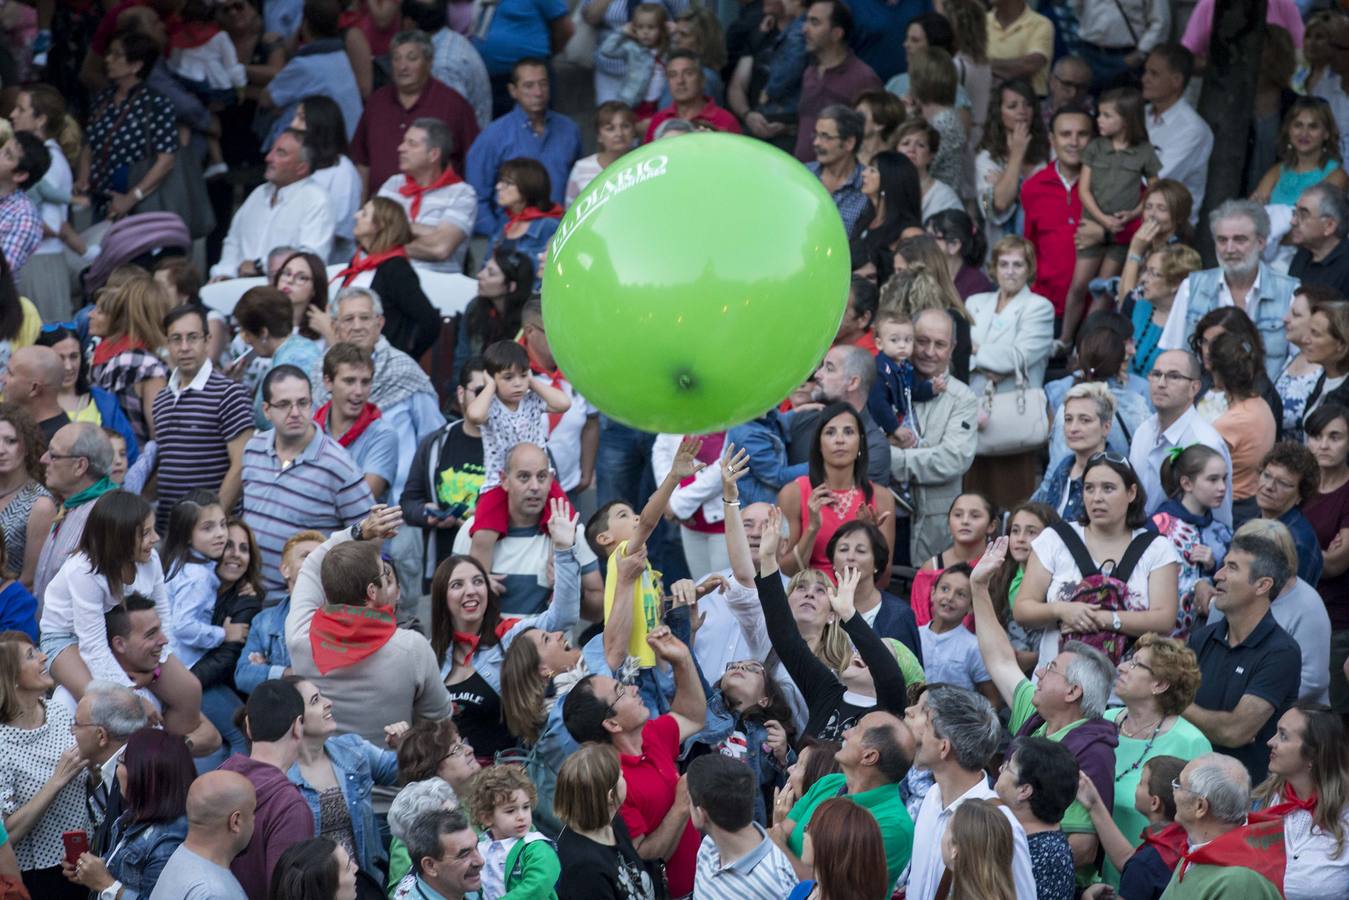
[76, 843]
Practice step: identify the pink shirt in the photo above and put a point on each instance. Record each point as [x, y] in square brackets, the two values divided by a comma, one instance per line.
[1200, 30]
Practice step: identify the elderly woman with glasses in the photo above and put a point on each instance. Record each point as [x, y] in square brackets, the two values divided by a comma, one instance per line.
[1112, 527]
[1157, 681]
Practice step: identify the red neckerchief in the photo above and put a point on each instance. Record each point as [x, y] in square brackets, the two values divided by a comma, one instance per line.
[106, 350]
[364, 263]
[192, 34]
[471, 640]
[1288, 803]
[1169, 841]
[530, 213]
[1257, 845]
[555, 378]
[414, 190]
[341, 636]
[368, 415]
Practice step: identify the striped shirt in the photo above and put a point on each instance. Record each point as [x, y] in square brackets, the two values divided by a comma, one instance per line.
[761, 874]
[193, 427]
[321, 489]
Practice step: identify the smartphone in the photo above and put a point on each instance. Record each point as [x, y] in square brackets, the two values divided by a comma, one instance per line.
[77, 843]
[243, 360]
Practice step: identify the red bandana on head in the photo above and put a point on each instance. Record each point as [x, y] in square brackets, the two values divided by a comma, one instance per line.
[364, 263]
[531, 213]
[342, 636]
[414, 190]
[368, 415]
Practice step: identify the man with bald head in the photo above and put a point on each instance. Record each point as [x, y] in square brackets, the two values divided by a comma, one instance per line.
[1173, 385]
[33, 383]
[520, 561]
[1213, 796]
[937, 450]
[220, 807]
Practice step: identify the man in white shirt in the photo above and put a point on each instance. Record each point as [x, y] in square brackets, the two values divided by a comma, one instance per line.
[956, 733]
[440, 205]
[1173, 385]
[287, 209]
[1183, 139]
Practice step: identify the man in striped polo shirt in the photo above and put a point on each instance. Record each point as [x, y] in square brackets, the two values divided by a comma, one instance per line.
[202, 419]
[295, 476]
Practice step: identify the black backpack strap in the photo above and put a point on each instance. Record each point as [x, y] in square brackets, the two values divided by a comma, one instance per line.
[1137, 547]
[1081, 555]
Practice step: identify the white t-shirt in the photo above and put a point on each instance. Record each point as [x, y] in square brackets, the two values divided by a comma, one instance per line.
[53, 215]
[1054, 555]
[953, 657]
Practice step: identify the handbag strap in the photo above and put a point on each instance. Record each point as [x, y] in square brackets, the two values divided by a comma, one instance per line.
[1133, 35]
[1128, 438]
[119, 122]
[1081, 555]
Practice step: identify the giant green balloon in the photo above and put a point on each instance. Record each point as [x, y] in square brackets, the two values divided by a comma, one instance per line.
[695, 283]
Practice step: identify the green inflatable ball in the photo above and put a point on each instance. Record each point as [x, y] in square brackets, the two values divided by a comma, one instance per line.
[695, 283]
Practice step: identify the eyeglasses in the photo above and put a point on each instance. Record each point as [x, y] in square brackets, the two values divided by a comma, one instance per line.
[1077, 87]
[52, 454]
[753, 667]
[1169, 377]
[619, 693]
[74, 725]
[1177, 787]
[285, 406]
[189, 339]
[460, 750]
[297, 277]
[1109, 456]
[1133, 662]
[821, 136]
[1266, 478]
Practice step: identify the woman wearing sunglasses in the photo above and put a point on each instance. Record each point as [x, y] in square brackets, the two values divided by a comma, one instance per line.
[1112, 518]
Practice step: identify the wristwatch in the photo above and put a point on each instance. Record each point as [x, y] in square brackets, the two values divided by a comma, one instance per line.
[356, 533]
[1115, 623]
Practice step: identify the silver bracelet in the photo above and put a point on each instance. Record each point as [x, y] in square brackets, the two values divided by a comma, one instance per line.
[730, 502]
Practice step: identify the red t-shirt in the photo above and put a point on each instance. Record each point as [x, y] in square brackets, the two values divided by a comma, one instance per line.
[1052, 214]
[712, 114]
[652, 779]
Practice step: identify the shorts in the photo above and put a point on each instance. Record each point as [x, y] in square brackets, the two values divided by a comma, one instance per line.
[493, 509]
[51, 643]
[1116, 252]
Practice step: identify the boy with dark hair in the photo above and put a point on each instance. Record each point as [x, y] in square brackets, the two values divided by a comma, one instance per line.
[1038, 783]
[513, 408]
[737, 859]
[1145, 872]
[274, 722]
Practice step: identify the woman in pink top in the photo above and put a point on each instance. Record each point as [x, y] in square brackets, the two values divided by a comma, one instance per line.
[1199, 31]
[835, 491]
[1247, 426]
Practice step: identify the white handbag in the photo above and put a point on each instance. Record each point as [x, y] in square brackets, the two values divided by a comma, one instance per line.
[1013, 421]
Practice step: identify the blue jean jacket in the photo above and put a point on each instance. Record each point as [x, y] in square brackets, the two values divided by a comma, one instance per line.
[266, 635]
[765, 439]
[359, 765]
[140, 851]
[767, 772]
[783, 87]
[1051, 490]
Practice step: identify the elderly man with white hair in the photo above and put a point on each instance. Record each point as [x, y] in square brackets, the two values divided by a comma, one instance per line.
[417, 798]
[1226, 856]
[1240, 231]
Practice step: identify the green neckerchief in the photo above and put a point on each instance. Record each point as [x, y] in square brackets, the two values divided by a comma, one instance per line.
[92, 492]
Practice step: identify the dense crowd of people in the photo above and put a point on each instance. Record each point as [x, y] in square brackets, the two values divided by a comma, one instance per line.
[319, 585]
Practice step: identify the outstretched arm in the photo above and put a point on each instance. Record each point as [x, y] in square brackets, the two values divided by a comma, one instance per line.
[684, 465]
[734, 466]
[994, 645]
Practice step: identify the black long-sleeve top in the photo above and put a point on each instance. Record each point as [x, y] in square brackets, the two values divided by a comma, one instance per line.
[828, 712]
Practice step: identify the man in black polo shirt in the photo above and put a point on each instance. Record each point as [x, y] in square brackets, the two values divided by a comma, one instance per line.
[1320, 222]
[1251, 668]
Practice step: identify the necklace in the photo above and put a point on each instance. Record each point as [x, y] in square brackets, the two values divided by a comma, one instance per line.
[1147, 748]
[13, 490]
[842, 500]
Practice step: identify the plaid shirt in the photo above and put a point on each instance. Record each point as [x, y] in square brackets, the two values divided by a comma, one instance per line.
[848, 198]
[20, 230]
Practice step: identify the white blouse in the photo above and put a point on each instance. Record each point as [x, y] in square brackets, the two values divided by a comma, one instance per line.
[27, 759]
[1312, 872]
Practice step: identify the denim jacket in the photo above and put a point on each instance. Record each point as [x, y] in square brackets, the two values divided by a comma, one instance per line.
[359, 765]
[1276, 294]
[768, 772]
[783, 87]
[638, 65]
[140, 851]
[1050, 491]
[266, 635]
[765, 440]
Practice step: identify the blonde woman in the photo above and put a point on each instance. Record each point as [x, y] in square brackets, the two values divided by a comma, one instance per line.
[127, 361]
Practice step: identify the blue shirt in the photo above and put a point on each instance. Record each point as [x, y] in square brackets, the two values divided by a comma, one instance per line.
[878, 33]
[557, 149]
[266, 635]
[375, 452]
[849, 198]
[516, 29]
[1310, 562]
[319, 67]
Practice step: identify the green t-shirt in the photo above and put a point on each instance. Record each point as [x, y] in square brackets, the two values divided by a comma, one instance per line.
[1183, 740]
[884, 803]
[1220, 883]
[1076, 820]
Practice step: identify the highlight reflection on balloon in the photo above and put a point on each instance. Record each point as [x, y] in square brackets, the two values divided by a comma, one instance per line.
[695, 283]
